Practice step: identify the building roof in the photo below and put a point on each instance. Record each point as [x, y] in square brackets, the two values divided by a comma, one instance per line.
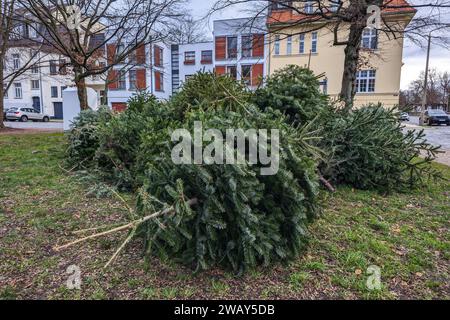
[286, 16]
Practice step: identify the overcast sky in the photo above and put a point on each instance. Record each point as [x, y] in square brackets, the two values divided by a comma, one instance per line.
[413, 56]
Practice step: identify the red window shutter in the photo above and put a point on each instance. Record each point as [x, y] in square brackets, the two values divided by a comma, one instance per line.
[112, 80]
[119, 106]
[220, 70]
[257, 73]
[157, 52]
[140, 79]
[140, 54]
[157, 81]
[258, 45]
[111, 52]
[221, 45]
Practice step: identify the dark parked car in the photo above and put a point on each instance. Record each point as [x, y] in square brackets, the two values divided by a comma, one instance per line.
[434, 116]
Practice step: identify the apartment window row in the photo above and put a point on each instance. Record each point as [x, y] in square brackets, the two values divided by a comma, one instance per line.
[35, 85]
[250, 74]
[301, 44]
[54, 91]
[205, 58]
[114, 52]
[252, 45]
[136, 79]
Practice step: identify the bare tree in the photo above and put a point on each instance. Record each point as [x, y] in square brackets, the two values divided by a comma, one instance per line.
[81, 29]
[187, 30]
[438, 90]
[347, 19]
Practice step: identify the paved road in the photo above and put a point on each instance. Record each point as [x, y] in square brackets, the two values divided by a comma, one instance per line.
[56, 126]
[437, 135]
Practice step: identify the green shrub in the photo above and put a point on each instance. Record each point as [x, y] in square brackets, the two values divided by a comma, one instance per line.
[243, 218]
[295, 91]
[368, 149]
[207, 90]
[83, 139]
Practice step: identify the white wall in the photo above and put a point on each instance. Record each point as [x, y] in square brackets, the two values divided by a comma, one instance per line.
[46, 81]
[239, 27]
[124, 95]
[190, 69]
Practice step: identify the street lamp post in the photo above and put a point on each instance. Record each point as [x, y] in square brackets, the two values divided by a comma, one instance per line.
[425, 84]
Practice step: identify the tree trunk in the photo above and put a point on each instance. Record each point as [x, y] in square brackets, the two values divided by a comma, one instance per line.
[351, 65]
[80, 82]
[358, 24]
[2, 94]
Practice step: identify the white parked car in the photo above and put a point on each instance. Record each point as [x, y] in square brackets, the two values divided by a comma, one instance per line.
[24, 114]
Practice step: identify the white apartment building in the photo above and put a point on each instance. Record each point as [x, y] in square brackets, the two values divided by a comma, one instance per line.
[149, 72]
[188, 59]
[241, 49]
[40, 86]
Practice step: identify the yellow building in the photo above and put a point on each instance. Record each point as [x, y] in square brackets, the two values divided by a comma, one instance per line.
[310, 44]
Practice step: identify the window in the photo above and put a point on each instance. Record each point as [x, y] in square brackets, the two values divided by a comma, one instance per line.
[16, 61]
[62, 89]
[33, 28]
[309, 7]
[301, 44]
[277, 45]
[62, 67]
[5, 91]
[369, 38]
[133, 79]
[34, 84]
[289, 45]
[232, 72]
[159, 81]
[53, 67]
[158, 60]
[231, 47]
[365, 81]
[247, 46]
[54, 92]
[334, 5]
[121, 82]
[35, 69]
[18, 90]
[314, 42]
[246, 74]
[189, 57]
[206, 56]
